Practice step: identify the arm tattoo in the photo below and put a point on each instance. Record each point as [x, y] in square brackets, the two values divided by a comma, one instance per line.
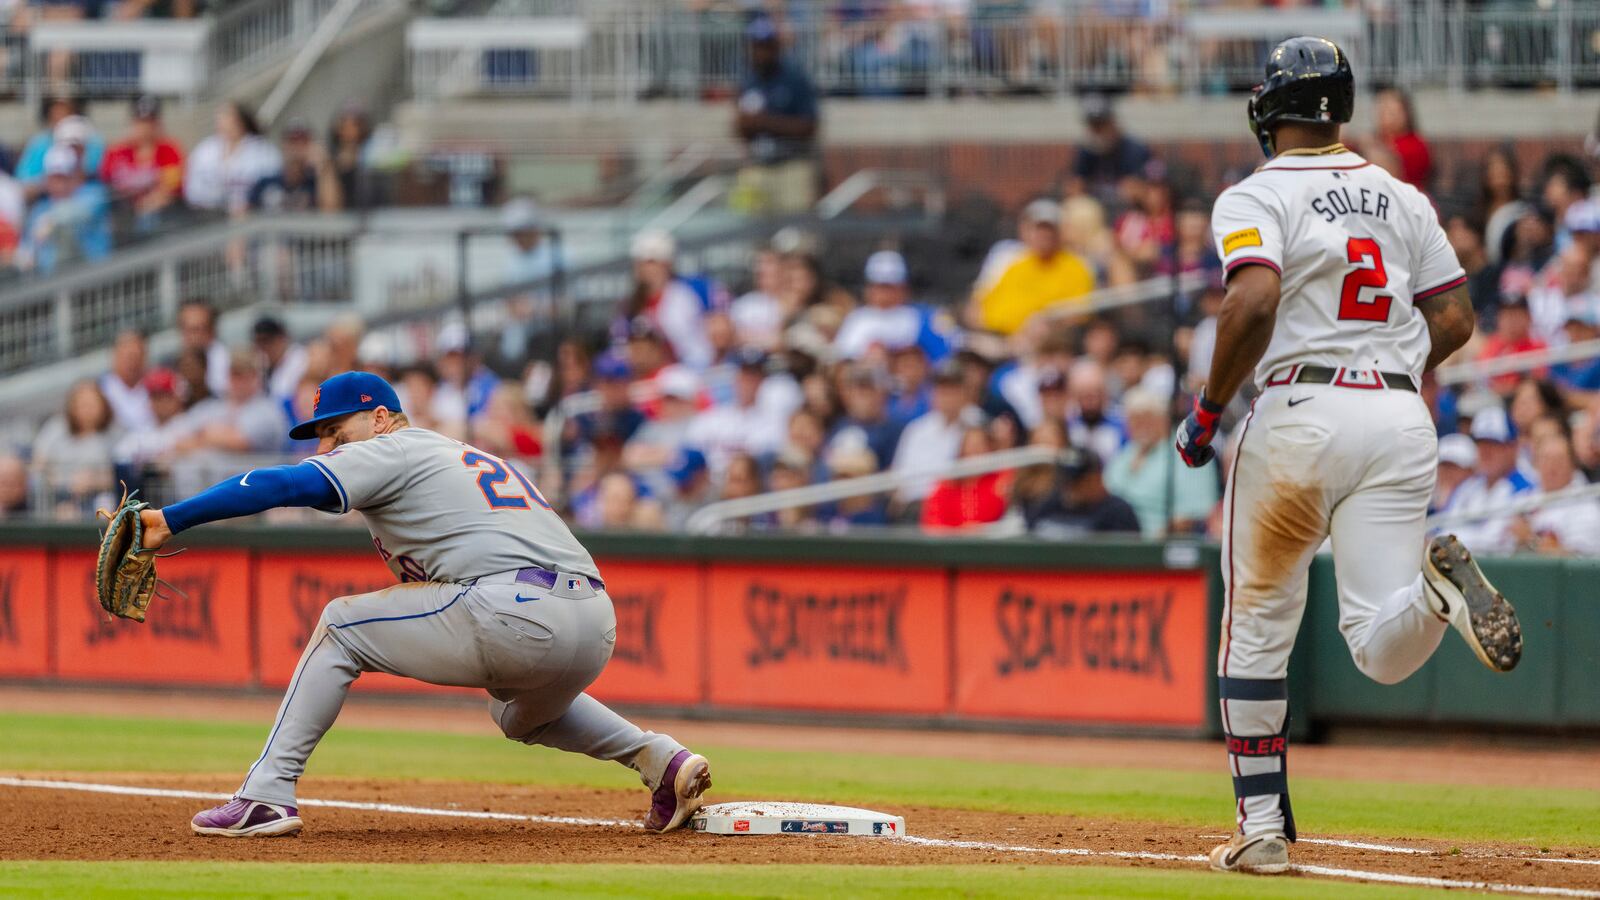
[1450, 322]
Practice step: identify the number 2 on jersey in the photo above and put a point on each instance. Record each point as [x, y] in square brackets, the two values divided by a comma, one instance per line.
[1364, 254]
[496, 474]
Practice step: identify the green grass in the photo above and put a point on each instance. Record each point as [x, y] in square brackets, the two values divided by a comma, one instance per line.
[1322, 806]
[118, 880]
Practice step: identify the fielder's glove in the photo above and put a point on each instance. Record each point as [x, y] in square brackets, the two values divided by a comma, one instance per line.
[1197, 431]
[125, 574]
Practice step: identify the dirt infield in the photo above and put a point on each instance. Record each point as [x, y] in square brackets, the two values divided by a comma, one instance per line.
[53, 824]
[49, 824]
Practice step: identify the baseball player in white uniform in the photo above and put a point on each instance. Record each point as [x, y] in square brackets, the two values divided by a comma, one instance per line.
[494, 593]
[1341, 292]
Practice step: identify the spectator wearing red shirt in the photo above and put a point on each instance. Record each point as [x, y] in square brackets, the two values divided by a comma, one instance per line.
[145, 169]
[1397, 128]
[966, 503]
[1513, 333]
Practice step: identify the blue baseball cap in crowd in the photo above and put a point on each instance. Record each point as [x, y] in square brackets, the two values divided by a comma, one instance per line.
[761, 29]
[612, 367]
[689, 463]
[344, 394]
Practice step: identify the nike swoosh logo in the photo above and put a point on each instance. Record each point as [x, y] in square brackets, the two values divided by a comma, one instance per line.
[522, 599]
[1298, 400]
[245, 481]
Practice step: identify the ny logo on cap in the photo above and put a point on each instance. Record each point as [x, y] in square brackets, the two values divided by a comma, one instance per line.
[316, 400]
[366, 398]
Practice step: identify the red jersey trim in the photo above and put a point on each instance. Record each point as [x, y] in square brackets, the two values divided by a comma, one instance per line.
[1254, 261]
[1434, 291]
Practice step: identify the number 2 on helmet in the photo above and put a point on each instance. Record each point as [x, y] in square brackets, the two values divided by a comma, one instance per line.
[494, 473]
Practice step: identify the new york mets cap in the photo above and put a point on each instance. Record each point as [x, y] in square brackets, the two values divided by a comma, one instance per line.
[344, 394]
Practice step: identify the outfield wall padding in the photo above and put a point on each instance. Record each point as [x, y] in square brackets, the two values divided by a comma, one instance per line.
[1118, 635]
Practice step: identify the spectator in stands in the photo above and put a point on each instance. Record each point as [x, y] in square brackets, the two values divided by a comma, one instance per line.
[349, 146]
[192, 370]
[1566, 295]
[619, 506]
[72, 459]
[1533, 399]
[139, 448]
[465, 384]
[1483, 277]
[1168, 496]
[1147, 228]
[866, 420]
[305, 180]
[72, 221]
[910, 391]
[888, 320]
[225, 166]
[616, 421]
[661, 440]
[54, 111]
[672, 304]
[145, 169]
[777, 119]
[123, 386]
[15, 502]
[283, 360]
[197, 332]
[790, 471]
[1043, 275]
[1396, 121]
[1580, 378]
[963, 504]
[853, 461]
[1108, 157]
[1092, 424]
[13, 215]
[1571, 528]
[416, 385]
[1081, 504]
[647, 351]
[1191, 250]
[1458, 459]
[743, 424]
[1530, 250]
[1513, 334]
[507, 427]
[343, 338]
[1500, 202]
[1495, 484]
[532, 256]
[741, 477]
[1566, 181]
[758, 316]
[931, 441]
[242, 420]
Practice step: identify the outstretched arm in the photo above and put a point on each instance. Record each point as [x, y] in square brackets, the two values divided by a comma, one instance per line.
[1450, 322]
[258, 490]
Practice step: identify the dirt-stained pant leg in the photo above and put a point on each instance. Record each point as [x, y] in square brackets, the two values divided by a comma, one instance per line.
[1351, 462]
[558, 714]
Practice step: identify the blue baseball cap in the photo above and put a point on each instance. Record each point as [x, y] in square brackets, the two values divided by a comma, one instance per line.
[612, 367]
[344, 394]
[689, 463]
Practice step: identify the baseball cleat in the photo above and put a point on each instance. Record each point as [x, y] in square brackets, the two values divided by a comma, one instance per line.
[687, 778]
[1264, 854]
[1461, 596]
[247, 818]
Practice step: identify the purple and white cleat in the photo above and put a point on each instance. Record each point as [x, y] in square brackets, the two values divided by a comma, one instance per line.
[687, 779]
[247, 818]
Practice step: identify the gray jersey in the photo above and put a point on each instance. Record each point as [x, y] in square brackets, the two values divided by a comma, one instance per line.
[441, 510]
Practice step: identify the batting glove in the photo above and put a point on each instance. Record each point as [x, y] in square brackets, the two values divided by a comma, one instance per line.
[1197, 431]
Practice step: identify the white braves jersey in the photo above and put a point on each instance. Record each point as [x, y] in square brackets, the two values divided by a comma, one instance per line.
[1356, 248]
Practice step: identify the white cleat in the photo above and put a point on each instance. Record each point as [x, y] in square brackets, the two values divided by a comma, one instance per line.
[1461, 596]
[1263, 854]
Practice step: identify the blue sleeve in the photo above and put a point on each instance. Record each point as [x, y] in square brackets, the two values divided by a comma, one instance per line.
[258, 490]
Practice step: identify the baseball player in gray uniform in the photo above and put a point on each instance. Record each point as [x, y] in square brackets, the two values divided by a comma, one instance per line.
[494, 593]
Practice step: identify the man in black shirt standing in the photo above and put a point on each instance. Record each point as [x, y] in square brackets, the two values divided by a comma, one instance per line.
[777, 119]
[1081, 504]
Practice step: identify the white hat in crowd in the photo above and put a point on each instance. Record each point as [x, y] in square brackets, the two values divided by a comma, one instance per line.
[1458, 450]
[521, 214]
[60, 159]
[1043, 210]
[1492, 424]
[679, 382]
[886, 267]
[654, 245]
[72, 130]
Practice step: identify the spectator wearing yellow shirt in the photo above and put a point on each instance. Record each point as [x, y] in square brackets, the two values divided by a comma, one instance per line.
[1021, 278]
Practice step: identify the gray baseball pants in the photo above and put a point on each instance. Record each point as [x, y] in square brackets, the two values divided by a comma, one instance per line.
[534, 650]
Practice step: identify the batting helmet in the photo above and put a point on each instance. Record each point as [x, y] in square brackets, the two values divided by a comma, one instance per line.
[1307, 79]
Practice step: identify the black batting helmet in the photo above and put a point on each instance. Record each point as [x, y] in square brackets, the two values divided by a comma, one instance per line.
[1307, 79]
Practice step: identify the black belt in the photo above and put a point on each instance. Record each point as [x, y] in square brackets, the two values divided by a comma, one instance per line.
[1360, 379]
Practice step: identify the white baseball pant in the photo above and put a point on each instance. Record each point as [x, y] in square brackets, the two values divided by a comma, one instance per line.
[1315, 461]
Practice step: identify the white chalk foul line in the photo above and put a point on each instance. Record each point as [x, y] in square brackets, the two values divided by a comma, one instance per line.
[1323, 871]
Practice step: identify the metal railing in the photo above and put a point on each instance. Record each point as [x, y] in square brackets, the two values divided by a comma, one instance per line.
[633, 50]
[1480, 371]
[1576, 493]
[707, 519]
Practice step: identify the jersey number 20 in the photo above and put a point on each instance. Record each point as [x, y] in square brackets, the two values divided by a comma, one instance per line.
[1364, 254]
[494, 473]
